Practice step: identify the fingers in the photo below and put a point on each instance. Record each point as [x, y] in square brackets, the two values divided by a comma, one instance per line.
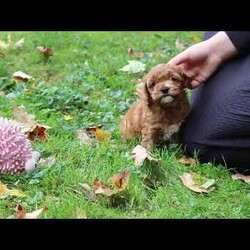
[181, 58]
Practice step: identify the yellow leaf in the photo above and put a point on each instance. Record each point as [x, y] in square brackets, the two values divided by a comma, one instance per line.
[195, 39]
[100, 134]
[4, 191]
[67, 117]
[17, 193]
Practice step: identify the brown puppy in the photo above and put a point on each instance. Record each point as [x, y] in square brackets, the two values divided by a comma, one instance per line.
[161, 108]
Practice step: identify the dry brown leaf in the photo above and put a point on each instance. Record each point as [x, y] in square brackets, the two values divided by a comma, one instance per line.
[179, 44]
[187, 180]
[21, 213]
[21, 115]
[140, 154]
[28, 125]
[245, 178]
[20, 76]
[47, 52]
[2, 54]
[187, 161]
[101, 188]
[83, 137]
[137, 55]
[90, 192]
[94, 128]
[121, 180]
[39, 133]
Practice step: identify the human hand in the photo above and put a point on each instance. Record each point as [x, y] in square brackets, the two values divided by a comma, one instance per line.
[200, 61]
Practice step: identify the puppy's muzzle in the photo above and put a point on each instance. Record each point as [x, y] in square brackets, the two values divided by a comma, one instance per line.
[165, 90]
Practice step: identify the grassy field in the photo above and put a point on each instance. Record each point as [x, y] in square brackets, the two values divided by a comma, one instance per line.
[82, 80]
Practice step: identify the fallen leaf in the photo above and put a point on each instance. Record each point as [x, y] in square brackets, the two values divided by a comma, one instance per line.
[188, 181]
[93, 129]
[47, 52]
[48, 162]
[208, 184]
[134, 67]
[39, 133]
[20, 76]
[3, 44]
[19, 43]
[5, 192]
[140, 154]
[179, 44]
[28, 125]
[21, 115]
[83, 137]
[195, 39]
[137, 55]
[67, 117]
[21, 213]
[90, 192]
[245, 178]
[2, 54]
[17, 193]
[121, 180]
[187, 161]
[101, 188]
[101, 135]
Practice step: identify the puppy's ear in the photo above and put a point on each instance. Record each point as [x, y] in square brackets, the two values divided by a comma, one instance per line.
[146, 94]
[181, 72]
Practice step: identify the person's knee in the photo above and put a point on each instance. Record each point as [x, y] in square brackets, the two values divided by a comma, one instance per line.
[204, 153]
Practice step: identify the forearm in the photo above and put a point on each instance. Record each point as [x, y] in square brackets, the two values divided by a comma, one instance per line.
[221, 47]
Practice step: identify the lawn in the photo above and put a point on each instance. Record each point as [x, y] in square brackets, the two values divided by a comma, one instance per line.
[81, 86]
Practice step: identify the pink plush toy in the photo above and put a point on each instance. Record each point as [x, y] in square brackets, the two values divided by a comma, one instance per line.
[15, 149]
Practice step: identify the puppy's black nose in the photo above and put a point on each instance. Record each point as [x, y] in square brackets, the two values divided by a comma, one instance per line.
[165, 90]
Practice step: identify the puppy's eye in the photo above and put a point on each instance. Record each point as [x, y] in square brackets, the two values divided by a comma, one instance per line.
[151, 84]
[173, 78]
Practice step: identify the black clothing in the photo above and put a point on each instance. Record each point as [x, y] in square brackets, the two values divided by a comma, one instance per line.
[218, 127]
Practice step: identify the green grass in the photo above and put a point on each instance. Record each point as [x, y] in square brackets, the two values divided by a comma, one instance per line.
[82, 79]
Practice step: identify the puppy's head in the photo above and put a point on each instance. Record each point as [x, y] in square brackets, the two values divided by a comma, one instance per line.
[163, 84]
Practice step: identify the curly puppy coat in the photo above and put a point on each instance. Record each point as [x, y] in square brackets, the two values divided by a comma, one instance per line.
[162, 107]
